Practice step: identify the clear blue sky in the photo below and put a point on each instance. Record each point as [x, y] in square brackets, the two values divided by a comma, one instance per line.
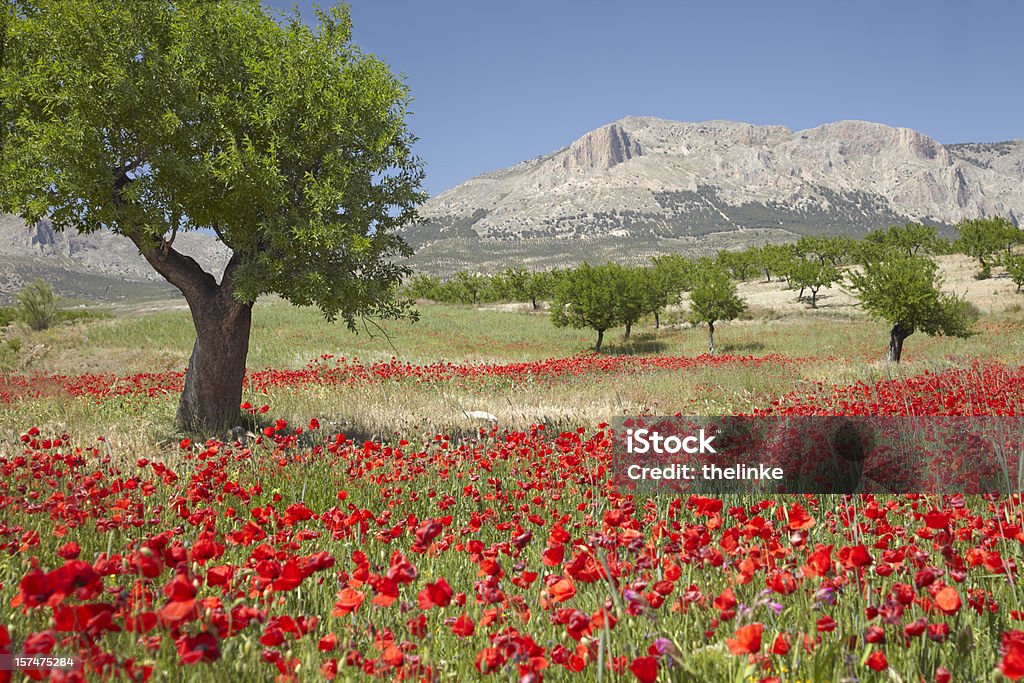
[495, 83]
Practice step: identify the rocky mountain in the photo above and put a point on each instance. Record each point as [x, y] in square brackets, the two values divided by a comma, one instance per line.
[97, 266]
[642, 185]
[628, 190]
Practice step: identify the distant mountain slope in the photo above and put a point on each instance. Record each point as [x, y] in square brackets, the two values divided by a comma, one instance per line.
[626, 191]
[98, 266]
[647, 180]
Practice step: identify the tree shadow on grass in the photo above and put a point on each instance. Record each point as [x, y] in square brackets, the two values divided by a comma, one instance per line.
[637, 345]
[741, 347]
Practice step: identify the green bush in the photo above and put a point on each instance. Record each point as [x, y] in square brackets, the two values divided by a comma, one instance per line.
[37, 305]
[8, 314]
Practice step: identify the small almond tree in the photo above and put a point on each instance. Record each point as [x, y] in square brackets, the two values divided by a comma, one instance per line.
[37, 307]
[913, 239]
[713, 298]
[775, 258]
[673, 275]
[1014, 264]
[639, 295]
[812, 275]
[588, 297]
[905, 292]
[985, 238]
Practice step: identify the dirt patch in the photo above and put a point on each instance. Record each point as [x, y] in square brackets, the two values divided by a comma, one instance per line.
[993, 295]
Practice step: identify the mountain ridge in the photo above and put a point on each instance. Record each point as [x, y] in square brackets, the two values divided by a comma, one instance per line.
[646, 178]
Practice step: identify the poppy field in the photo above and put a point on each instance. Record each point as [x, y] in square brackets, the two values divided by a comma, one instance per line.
[299, 549]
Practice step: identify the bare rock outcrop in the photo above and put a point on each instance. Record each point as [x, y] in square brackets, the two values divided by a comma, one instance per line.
[655, 178]
[601, 149]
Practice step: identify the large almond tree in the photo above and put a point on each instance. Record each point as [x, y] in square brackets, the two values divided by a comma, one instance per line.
[150, 118]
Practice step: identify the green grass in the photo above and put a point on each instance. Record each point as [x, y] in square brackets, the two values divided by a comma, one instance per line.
[843, 350]
[284, 336]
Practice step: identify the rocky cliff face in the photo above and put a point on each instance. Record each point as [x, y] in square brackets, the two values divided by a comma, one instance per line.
[601, 149]
[648, 177]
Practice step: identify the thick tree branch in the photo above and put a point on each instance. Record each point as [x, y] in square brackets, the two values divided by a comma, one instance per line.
[182, 271]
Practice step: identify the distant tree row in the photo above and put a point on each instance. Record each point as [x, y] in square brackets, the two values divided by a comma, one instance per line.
[808, 265]
[512, 285]
[890, 271]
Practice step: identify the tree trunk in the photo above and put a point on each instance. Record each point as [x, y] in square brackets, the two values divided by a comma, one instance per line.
[814, 298]
[896, 336]
[657, 318]
[212, 393]
[801, 296]
[768, 274]
[711, 337]
[213, 381]
[629, 328]
[600, 340]
[533, 300]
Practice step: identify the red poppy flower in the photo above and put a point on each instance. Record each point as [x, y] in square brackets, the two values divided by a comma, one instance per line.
[437, 594]
[854, 556]
[726, 600]
[69, 551]
[348, 601]
[877, 661]
[489, 659]
[202, 647]
[1012, 664]
[747, 640]
[818, 562]
[781, 645]
[463, 626]
[645, 669]
[947, 600]
[799, 518]
[328, 643]
[562, 589]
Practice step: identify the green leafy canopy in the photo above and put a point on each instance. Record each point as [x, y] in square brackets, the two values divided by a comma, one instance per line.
[713, 296]
[154, 117]
[590, 296]
[905, 292]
